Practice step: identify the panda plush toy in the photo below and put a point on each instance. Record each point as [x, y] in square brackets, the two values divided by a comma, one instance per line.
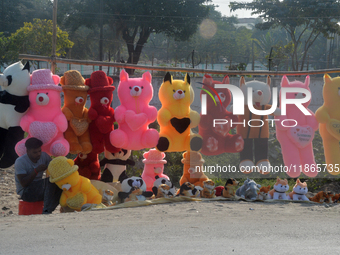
[134, 189]
[14, 103]
[163, 180]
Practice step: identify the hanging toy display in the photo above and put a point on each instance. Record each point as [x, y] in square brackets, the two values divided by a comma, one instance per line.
[101, 113]
[44, 119]
[14, 103]
[75, 95]
[216, 137]
[135, 114]
[296, 141]
[176, 118]
[88, 165]
[328, 115]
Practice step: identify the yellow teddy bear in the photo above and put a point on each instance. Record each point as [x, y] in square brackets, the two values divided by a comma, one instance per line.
[77, 190]
[176, 117]
[328, 115]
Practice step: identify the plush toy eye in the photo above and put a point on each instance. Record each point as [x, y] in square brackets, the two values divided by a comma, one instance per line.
[222, 96]
[130, 87]
[142, 87]
[184, 91]
[79, 100]
[104, 100]
[174, 90]
[82, 156]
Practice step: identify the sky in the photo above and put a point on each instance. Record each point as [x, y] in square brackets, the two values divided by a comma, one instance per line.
[224, 8]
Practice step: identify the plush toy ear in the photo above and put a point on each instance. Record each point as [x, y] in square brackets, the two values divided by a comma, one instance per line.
[31, 79]
[88, 81]
[284, 81]
[124, 76]
[62, 80]
[187, 78]
[147, 76]
[163, 155]
[268, 186]
[226, 80]
[167, 77]
[27, 66]
[56, 79]
[146, 155]
[70, 162]
[307, 81]
[110, 80]
[327, 78]
[242, 81]
[268, 80]
[207, 79]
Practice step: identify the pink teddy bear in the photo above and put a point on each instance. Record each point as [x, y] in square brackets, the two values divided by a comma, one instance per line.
[44, 119]
[135, 114]
[296, 142]
[153, 165]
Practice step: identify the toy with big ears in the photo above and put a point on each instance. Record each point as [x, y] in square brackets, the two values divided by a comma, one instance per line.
[88, 165]
[299, 191]
[279, 190]
[176, 118]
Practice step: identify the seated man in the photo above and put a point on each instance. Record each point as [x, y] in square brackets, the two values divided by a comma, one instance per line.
[29, 170]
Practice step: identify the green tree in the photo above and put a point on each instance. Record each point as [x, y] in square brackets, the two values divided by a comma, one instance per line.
[304, 21]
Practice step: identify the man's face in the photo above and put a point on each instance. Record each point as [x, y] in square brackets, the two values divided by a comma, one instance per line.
[34, 154]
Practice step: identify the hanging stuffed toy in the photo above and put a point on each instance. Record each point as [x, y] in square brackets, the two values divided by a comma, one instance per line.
[255, 138]
[115, 165]
[44, 119]
[176, 117]
[218, 140]
[75, 95]
[153, 166]
[77, 190]
[170, 192]
[193, 169]
[296, 142]
[88, 165]
[14, 103]
[135, 114]
[279, 190]
[299, 191]
[101, 113]
[134, 189]
[328, 115]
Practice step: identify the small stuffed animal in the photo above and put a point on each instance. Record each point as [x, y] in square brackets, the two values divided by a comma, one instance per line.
[88, 165]
[175, 118]
[135, 114]
[44, 119]
[319, 197]
[163, 191]
[248, 190]
[336, 198]
[77, 190]
[14, 103]
[208, 189]
[153, 166]
[296, 141]
[229, 188]
[299, 191]
[101, 113]
[219, 191]
[217, 139]
[189, 190]
[193, 169]
[279, 190]
[133, 189]
[163, 180]
[107, 198]
[115, 165]
[329, 198]
[263, 194]
[75, 95]
[328, 115]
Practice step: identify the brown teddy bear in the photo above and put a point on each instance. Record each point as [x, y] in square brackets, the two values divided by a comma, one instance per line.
[75, 94]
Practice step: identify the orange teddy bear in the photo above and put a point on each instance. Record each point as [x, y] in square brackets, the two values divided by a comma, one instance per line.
[75, 94]
[192, 169]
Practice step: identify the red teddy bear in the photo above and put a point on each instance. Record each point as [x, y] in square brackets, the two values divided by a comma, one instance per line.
[101, 113]
[89, 166]
[218, 140]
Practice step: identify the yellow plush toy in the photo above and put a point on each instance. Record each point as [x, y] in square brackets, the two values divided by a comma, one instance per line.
[77, 190]
[328, 115]
[176, 117]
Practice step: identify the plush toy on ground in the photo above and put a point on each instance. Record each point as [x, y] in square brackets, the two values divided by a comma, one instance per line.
[264, 193]
[160, 181]
[216, 137]
[319, 197]
[328, 115]
[75, 95]
[44, 119]
[188, 189]
[255, 137]
[107, 198]
[248, 190]
[14, 103]
[229, 188]
[88, 165]
[134, 189]
[296, 141]
[153, 166]
[115, 165]
[163, 190]
[101, 113]
[193, 169]
[279, 190]
[77, 190]
[299, 191]
[135, 114]
[176, 118]
[208, 189]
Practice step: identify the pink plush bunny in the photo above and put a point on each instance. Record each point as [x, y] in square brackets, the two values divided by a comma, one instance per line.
[153, 165]
[134, 114]
[44, 119]
[296, 142]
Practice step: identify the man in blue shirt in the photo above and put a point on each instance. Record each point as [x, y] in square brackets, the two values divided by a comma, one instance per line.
[29, 170]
